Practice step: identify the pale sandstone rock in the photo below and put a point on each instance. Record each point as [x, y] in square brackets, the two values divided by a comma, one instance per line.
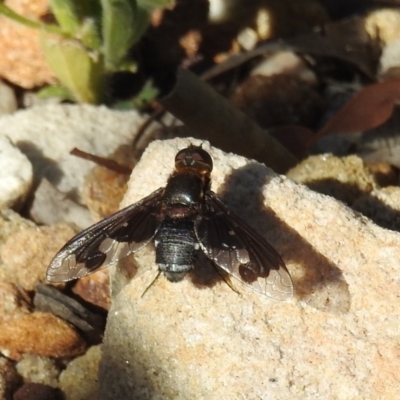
[13, 301]
[344, 178]
[8, 100]
[37, 369]
[383, 24]
[46, 134]
[16, 175]
[25, 255]
[382, 206]
[79, 380]
[337, 338]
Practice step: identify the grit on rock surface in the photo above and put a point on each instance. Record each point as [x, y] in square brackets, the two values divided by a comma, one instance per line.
[338, 338]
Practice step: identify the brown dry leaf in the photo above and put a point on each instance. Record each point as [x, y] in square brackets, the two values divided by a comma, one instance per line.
[369, 108]
[295, 138]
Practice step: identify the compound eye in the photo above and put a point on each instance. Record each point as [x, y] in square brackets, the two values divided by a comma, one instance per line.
[194, 156]
[182, 155]
[202, 156]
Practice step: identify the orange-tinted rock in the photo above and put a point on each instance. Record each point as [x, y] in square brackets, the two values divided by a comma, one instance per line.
[95, 289]
[104, 188]
[22, 61]
[42, 334]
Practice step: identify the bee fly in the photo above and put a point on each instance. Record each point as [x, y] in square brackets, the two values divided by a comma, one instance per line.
[182, 218]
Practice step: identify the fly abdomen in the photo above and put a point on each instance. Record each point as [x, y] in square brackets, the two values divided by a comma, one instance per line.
[175, 245]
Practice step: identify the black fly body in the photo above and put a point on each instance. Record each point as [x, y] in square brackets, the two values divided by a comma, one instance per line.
[182, 218]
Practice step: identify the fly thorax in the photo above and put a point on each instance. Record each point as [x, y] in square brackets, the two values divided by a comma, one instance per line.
[184, 189]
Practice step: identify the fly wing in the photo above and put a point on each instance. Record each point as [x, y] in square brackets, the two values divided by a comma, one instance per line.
[106, 242]
[240, 251]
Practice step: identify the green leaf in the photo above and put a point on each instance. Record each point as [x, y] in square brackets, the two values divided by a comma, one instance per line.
[55, 91]
[124, 22]
[79, 70]
[90, 28]
[89, 34]
[145, 96]
[151, 5]
[141, 22]
[139, 102]
[11, 14]
[66, 15]
[80, 19]
[118, 30]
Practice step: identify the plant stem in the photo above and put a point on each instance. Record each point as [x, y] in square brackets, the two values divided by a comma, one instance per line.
[9, 13]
